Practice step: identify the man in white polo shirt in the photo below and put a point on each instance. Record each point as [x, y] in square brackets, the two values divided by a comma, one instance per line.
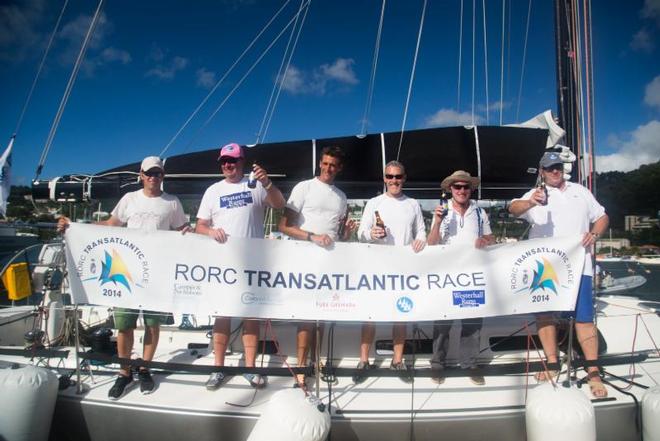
[463, 223]
[315, 211]
[566, 209]
[230, 208]
[402, 224]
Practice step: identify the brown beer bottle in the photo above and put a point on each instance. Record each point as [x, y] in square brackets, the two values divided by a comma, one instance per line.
[380, 223]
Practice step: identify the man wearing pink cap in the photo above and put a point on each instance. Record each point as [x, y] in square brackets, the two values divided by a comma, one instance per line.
[230, 208]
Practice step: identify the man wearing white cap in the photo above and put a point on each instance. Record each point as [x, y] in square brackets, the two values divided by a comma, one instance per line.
[462, 222]
[148, 209]
[230, 208]
[565, 209]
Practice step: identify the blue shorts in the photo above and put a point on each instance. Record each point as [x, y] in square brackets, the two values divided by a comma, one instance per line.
[584, 307]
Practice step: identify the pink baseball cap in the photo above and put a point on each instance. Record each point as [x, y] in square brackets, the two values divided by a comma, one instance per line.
[232, 150]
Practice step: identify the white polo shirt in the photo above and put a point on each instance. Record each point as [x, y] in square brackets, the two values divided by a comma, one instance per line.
[464, 229]
[402, 217]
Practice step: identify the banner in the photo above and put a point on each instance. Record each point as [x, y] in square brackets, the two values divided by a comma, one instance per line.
[297, 280]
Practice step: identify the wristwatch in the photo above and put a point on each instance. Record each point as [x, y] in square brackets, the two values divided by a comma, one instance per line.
[309, 236]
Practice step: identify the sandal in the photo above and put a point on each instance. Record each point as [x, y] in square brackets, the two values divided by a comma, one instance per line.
[546, 375]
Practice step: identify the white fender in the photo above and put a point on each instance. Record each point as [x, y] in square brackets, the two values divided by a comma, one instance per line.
[651, 414]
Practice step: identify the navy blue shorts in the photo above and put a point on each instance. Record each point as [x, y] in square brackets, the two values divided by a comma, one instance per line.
[584, 307]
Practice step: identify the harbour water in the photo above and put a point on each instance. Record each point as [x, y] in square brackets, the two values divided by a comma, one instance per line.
[648, 291]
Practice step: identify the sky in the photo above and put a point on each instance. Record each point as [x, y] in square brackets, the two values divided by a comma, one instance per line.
[150, 64]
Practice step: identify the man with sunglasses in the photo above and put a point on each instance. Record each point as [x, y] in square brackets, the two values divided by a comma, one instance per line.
[566, 209]
[462, 223]
[403, 225]
[230, 208]
[148, 209]
[315, 212]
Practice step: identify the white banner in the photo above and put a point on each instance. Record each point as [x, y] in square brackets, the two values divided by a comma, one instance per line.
[262, 278]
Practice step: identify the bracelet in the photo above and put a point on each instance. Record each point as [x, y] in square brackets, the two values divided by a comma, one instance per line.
[268, 187]
[309, 236]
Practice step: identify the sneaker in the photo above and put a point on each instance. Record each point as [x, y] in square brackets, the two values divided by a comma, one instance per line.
[118, 389]
[404, 372]
[257, 381]
[146, 382]
[215, 380]
[363, 367]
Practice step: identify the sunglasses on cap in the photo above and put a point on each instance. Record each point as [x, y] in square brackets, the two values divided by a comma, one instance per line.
[461, 187]
[387, 176]
[153, 173]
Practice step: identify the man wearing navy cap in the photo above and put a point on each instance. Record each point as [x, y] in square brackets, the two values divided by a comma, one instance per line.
[230, 208]
[563, 209]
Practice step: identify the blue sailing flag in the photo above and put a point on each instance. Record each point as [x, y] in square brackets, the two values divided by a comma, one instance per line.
[5, 174]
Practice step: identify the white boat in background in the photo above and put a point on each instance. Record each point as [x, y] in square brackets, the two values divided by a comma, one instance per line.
[611, 285]
[648, 260]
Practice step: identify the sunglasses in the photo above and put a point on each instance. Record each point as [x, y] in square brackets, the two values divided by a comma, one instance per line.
[224, 161]
[553, 168]
[394, 176]
[461, 187]
[153, 174]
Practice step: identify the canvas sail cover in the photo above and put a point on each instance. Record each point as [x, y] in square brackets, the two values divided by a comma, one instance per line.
[499, 155]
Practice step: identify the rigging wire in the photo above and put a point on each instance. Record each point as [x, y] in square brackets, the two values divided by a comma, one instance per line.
[483, 3]
[502, 61]
[221, 80]
[474, 38]
[238, 84]
[41, 65]
[293, 50]
[460, 59]
[412, 77]
[522, 71]
[586, 13]
[372, 78]
[283, 63]
[69, 88]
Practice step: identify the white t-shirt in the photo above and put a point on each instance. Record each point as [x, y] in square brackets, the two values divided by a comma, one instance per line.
[569, 212]
[234, 207]
[163, 212]
[455, 228]
[320, 207]
[402, 217]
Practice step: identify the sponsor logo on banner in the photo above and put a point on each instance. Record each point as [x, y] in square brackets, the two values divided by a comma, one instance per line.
[248, 298]
[542, 272]
[336, 303]
[115, 265]
[469, 299]
[404, 304]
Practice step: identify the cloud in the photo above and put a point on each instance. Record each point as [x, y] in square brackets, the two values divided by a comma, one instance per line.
[168, 69]
[651, 10]
[652, 93]
[634, 149]
[339, 73]
[19, 30]
[73, 34]
[451, 117]
[494, 106]
[642, 41]
[205, 78]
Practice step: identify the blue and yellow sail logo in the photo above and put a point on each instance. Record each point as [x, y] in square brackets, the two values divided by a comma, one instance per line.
[114, 270]
[545, 277]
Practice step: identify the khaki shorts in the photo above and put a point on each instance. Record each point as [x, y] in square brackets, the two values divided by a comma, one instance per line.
[126, 318]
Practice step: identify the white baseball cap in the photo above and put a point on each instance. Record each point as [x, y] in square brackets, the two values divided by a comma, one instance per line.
[152, 162]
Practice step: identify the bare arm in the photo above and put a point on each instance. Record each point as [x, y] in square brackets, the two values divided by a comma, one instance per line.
[521, 206]
[204, 227]
[287, 225]
[597, 229]
[274, 197]
[434, 234]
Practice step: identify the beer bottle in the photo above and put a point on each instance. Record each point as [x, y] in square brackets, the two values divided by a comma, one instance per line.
[444, 204]
[380, 223]
[541, 184]
[252, 179]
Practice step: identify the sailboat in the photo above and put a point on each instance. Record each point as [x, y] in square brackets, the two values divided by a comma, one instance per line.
[80, 350]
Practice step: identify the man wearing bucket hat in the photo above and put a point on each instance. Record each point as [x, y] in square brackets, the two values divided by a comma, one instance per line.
[230, 208]
[461, 222]
[563, 209]
[148, 209]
